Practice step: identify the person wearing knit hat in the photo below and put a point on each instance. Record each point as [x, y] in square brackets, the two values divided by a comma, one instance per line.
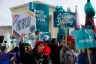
[46, 38]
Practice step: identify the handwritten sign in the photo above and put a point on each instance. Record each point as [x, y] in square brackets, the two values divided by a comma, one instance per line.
[24, 23]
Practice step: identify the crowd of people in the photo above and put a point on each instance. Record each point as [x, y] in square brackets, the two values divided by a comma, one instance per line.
[54, 53]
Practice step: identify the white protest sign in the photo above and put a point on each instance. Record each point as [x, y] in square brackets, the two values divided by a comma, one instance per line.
[24, 24]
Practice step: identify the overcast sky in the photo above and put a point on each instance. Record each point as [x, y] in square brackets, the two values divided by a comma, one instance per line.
[5, 13]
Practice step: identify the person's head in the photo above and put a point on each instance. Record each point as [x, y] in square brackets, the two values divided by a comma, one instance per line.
[39, 46]
[54, 42]
[29, 48]
[71, 45]
[26, 47]
[16, 49]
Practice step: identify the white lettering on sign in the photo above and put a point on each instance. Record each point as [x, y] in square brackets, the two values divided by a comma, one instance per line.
[23, 23]
[86, 40]
[66, 18]
[40, 16]
[66, 21]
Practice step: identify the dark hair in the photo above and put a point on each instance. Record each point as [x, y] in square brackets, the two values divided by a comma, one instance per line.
[38, 42]
[1, 39]
[53, 40]
[3, 48]
[26, 44]
[16, 49]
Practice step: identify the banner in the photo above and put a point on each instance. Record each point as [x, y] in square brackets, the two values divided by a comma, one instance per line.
[42, 16]
[66, 19]
[84, 39]
[24, 23]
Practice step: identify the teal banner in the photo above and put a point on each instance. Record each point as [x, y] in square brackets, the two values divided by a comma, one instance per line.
[84, 39]
[67, 19]
[42, 16]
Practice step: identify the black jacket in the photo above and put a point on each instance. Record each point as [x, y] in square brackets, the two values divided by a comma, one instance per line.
[39, 59]
[21, 45]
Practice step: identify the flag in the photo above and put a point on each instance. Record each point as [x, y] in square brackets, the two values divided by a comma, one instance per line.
[78, 25]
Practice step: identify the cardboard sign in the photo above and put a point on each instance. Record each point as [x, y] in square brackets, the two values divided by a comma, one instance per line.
[84, 39]
[24, 24]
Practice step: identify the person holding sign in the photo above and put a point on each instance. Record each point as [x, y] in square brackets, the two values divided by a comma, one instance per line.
[68, 54]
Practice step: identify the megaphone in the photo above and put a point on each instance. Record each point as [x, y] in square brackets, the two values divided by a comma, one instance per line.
[46, 50]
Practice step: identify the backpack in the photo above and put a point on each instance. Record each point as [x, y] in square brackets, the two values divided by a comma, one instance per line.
[66, 56]
[70, 57]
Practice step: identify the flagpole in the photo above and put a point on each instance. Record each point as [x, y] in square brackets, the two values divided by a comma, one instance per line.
[88, 54]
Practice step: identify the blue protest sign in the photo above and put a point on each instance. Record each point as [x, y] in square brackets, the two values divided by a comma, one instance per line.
[42, 16]
[84, 39]
[67, 19]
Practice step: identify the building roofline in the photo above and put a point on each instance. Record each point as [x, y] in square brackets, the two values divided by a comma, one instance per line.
[26, 4]
[44, 3]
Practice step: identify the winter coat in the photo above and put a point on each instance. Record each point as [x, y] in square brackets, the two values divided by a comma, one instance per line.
[39, 58]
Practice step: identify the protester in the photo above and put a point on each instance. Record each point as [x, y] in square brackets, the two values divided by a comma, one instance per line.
[82, 57]
[27, 54]
[67, 54]
[63, 58]
[21, 45]
[17, 55]
[37, 56]
[55, 50]
[6, 58]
